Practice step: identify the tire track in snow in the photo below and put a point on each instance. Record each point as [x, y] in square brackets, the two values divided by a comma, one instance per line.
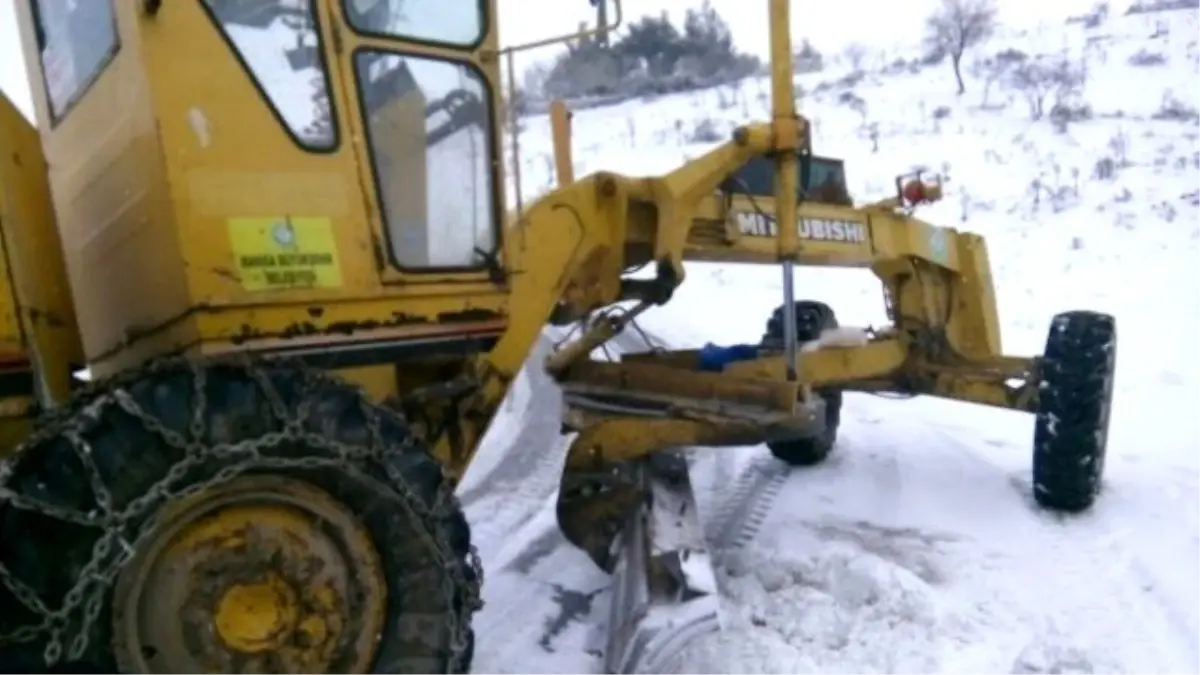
[1183, 622]
[1117, 607]
[506, 507]
[748, 504]
[751, 503]
[1087, 574]
[1174, 617]
[798, 599]
[1161, 571]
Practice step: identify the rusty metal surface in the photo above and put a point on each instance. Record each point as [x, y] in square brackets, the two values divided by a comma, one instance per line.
[263, 574]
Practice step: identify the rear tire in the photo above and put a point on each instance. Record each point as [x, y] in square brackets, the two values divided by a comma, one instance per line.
[812, 317]
[1075, 393]
[179, 433]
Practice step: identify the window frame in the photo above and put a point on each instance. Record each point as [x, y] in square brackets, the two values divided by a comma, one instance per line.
[485, 27]
[334, 121]
[85, 85]
[492, 158]
[763, 167]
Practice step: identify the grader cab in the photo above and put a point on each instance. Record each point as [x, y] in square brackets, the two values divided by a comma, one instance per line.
[274, 232]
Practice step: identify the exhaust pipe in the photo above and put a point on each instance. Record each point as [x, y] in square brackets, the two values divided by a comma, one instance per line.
[664, 586]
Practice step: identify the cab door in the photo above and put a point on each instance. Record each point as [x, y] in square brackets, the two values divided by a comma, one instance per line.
[421, 88]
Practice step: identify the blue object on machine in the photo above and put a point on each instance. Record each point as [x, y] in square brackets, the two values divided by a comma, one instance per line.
[714, 358]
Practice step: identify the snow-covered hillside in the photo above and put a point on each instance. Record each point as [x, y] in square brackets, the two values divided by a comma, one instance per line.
[916, 549]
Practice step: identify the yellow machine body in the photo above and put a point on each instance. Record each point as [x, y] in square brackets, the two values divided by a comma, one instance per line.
[219, 224]
[168, 174]
[39, 341]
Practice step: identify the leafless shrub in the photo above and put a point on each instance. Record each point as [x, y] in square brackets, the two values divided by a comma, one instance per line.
[996, 68]
[1118, 145]
[706, 131]
[1145, 57]
[854, 102]
[1105, 169]
[1065, 113]
[1175, 110]
[1037, 79]
[807, 59]
[1055, 191]
[855, 54]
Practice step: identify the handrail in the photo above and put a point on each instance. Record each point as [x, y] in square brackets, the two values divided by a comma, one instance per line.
[510, 94]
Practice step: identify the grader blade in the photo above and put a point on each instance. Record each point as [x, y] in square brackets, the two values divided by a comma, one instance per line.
[664, 587]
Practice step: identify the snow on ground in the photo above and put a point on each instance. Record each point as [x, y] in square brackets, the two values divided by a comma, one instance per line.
[916, 548]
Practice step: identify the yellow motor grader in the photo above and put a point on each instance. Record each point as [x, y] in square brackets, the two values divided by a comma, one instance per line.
[274, 232]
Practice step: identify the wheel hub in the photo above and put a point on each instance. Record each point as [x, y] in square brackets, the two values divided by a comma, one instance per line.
[261, 575]
[257, 617]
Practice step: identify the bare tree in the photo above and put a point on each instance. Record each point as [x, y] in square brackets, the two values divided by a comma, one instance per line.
[855, 54]
[855, 103]
[1038, 78]
[533, 80]
[956, 26]
[807, 59]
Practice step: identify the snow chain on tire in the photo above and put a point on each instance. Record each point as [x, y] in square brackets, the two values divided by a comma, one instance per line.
[384, 448]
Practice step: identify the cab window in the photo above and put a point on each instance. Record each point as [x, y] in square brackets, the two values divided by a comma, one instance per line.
[452, 22]
[822, 179]
[76, 40]
[278, 43]
[431, 145]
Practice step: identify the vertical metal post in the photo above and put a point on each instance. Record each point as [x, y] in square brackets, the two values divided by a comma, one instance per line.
[602, 23]
[785, 123]
[514, 130]
[789, 320]
[560, 135]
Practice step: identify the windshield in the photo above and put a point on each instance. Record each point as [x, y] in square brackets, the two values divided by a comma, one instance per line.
[453, 22]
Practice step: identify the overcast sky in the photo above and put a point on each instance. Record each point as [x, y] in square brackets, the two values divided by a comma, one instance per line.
[829, 24]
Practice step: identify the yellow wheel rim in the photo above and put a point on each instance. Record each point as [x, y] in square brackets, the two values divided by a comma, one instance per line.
[263, 574]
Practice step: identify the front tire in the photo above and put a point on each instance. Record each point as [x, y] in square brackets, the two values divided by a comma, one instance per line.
[1075, 392]
[812, 318]
[287, 497]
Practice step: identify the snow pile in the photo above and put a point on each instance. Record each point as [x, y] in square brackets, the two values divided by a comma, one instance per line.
[835, 596]
[1049, 657]
[856, 610]
[734, 651]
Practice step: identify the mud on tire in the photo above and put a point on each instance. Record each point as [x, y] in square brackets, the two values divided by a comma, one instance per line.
[1075, 394]
[79, 497]
[812, 317]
